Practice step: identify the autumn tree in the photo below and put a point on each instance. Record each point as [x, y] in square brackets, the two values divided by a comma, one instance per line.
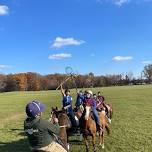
[2, 82]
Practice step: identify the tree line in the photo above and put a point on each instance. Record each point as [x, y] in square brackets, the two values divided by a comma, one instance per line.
[31, 81]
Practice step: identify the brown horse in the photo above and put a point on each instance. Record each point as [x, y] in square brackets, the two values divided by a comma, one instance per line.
[63, 123]
[66, 130]
[105, 127]
[110, 110]
[89, 128]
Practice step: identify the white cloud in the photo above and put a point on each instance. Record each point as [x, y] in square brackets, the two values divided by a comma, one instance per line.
[60, 56]
[60, 42]
[2, 67]
[3, 10]
[120, 2]
[115, 2]
[146, 62]
[122, 58]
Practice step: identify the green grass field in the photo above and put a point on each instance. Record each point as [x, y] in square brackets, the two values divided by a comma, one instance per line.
[131, 128]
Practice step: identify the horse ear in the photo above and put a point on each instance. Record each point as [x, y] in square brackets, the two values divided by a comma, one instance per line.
[63, 110]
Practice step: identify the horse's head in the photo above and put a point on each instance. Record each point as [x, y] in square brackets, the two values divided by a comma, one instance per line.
[61, 116]
[53, 113]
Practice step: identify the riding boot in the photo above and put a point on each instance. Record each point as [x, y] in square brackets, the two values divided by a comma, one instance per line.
[99, 128]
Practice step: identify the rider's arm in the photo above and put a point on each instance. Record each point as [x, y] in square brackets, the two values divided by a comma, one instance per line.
[81, 97]
[53, 128]
[62, 91]
[66, 107]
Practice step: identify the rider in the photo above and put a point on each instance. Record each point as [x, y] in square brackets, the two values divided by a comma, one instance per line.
[67, 105]
[79, 100]
[100, 97]
[41, 132]
[102, 104]
[95, 96]
[89, 99]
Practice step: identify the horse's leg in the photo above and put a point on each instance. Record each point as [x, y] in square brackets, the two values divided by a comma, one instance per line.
[94, 141]
[102, 140]
[100, 137]
[68, 145]
[81, 137]
[86, 143]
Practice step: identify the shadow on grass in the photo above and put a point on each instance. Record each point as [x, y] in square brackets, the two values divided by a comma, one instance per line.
[76, 142]
[21, 145]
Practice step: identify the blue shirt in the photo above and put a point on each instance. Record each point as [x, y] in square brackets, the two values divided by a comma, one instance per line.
[67, 100]
[79, 100]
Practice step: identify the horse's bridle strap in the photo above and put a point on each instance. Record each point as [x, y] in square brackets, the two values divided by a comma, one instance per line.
[63, 126]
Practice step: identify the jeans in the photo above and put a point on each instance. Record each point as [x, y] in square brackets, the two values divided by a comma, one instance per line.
[72, 118]
[96, 117]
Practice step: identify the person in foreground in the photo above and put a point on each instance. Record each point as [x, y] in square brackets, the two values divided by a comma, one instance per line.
[41, 133]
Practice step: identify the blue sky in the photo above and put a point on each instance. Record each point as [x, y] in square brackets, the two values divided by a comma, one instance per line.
[100, 36]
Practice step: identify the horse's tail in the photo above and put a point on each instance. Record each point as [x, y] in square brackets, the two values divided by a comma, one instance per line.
[107, 128]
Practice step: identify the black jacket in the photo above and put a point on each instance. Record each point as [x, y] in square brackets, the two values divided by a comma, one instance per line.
[40, 132]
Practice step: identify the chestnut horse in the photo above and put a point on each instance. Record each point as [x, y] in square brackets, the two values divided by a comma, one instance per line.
[110, 110]
[106, 127]
[89, 127]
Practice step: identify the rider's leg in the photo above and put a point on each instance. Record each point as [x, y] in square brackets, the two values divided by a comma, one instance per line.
[107, 113]
[72, 118]
[96, 117]
[106, 109]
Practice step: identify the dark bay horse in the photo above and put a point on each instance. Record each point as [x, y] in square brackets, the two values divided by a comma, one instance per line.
[66, 130]
[63, 123]
[89, 127]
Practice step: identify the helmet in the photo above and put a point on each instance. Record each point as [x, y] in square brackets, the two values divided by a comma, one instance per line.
[89, 91]
[33, 108]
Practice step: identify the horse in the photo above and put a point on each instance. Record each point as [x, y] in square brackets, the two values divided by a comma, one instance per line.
[110, 110]
[63, 123]
[102, 116]
[68, 128]
[89, 127]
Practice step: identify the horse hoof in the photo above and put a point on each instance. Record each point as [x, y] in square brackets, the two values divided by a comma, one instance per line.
[103, 147]
[68, 147]
[81, 137]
